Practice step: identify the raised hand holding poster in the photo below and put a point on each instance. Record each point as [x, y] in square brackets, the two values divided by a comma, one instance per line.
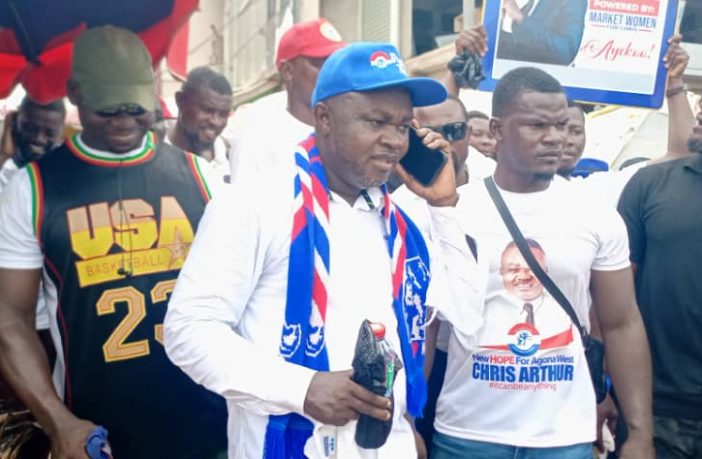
[602, 51]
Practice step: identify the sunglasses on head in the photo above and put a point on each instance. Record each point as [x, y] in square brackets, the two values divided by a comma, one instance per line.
[126, 109]
[451, 131]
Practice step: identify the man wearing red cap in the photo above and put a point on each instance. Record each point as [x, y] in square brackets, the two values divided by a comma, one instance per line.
[264, 137]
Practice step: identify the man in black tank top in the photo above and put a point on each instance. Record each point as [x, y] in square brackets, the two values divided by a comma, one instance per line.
[107, 219]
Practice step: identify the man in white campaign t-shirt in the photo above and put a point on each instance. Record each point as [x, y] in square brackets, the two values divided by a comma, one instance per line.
[521, 389]
[532, 379]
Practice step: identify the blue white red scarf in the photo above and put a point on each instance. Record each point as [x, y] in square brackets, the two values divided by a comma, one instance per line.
[302, 341]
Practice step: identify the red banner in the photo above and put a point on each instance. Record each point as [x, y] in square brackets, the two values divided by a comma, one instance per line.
[177, 58]
[640, 7]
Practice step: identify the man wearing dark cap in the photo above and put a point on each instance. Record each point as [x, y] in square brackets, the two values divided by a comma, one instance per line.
[106, 221]
[280, 284]
[264, 137]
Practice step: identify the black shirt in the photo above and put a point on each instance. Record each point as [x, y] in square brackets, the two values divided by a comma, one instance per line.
[662, 208]
[98, 218]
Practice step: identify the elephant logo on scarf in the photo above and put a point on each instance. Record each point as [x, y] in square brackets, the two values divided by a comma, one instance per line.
[314, 336]
[290, 340]
[416, 283]
[315, 340]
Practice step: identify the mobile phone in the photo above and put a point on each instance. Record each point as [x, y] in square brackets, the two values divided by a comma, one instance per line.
[421, 162]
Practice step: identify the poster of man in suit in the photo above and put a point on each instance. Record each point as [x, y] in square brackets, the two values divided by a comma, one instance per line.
[545, 31]
[602, 51]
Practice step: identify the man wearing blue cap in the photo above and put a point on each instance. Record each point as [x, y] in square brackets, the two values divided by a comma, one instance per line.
[278, 282]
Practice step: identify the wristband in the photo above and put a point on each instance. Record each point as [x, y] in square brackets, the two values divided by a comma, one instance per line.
[674, 91]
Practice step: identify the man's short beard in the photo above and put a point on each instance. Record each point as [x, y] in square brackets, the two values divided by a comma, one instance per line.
[544, 176]
[694, 144]
[394, 181]
[197, 146]
[26, 154]
[565, 172]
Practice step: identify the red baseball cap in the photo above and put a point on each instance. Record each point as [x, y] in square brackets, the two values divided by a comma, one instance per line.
[316, 38]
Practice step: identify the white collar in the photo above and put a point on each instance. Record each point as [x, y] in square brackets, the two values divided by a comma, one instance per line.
[370, 199]
[109, 155]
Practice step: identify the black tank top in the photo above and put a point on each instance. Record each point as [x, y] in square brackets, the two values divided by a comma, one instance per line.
[114, 236]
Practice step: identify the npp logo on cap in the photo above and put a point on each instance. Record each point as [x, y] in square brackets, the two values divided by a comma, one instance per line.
[381, 60]
[362, 67]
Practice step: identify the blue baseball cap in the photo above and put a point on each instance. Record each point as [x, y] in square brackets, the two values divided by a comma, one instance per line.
[587, 166]
[361, 67]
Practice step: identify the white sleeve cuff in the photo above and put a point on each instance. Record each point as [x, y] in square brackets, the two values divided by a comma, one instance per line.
[293, 392]
[19, 247]
[446, 227]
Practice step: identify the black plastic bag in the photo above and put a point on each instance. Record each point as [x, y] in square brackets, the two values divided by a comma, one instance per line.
[467, 70]
[375, 365]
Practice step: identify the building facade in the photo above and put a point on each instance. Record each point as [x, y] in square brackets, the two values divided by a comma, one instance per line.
[238, 37]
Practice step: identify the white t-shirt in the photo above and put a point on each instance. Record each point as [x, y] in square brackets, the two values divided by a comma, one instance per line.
[224, 321]
[265, 135]
[605, 186]
[220, 163]
[479, 165]
[9, 169]
[521, 384]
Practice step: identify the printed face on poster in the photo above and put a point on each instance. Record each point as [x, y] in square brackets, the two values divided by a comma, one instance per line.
[602, 51]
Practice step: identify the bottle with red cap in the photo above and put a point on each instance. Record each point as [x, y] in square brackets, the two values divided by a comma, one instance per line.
[375, 366]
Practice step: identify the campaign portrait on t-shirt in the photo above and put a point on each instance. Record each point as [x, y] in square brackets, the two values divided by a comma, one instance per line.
[523, 312]
[525, 329]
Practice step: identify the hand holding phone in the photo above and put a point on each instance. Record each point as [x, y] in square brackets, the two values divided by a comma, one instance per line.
[429, 172]
[421, 162]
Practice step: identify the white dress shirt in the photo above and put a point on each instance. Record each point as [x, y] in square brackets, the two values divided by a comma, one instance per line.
[218, 168]
[8, 170]
[224, 322]
[264, 137]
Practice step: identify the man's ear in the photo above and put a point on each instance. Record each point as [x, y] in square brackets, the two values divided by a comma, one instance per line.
[286, 72]
[73, 92]
[496, 128]
[322, 119]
